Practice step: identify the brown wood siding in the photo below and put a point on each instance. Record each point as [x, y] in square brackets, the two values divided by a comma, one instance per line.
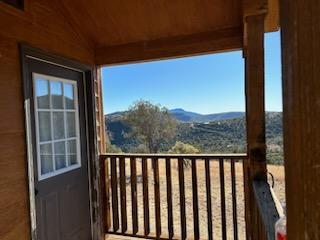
[301, 115]
[42, 26]
[14, 216]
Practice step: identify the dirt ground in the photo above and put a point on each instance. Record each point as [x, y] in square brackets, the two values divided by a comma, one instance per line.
[277, 172]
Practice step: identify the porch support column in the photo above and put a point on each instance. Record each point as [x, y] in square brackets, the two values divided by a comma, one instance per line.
[301, 116]
[255, 168]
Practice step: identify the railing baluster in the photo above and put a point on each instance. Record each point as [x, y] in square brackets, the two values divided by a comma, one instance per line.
[123, 197]
[105, 212]
[234, 200]
[169, 198]
[157, 196]
[133, 168]
[146, 217]
[114, 190]
[182, 199]
[223, 200]
[119, 161]
[208, 190]
[195, 198]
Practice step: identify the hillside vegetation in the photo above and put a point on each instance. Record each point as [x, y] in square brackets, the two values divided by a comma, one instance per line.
[217, 136]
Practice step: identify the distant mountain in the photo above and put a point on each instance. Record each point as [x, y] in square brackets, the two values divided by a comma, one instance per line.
[186, 116]
[218, 133]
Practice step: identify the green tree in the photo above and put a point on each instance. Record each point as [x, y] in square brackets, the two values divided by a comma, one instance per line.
[151, 124]
[111, 148]
[141, 148]
[184, 148]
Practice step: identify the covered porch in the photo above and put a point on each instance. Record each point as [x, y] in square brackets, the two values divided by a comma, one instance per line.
[82, 37]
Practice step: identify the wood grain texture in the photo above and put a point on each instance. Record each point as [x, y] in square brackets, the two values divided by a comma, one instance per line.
[227, 39]
[255, 118]
[146, 213]
[114, 194]
[301, 113]
[182, 199]
[266, 207]
[110, 22]
[223, 200]
[42, 26]
[123, 195]
[111, 32]
[208, 198]
[234, 200]
[195, 200]
[173, 168]
[104, 196]
[14, 215]
[157, 201]
[169, 197]
[134, 199]
[272, 21]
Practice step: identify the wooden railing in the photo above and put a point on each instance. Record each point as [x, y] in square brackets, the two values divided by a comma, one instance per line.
[173, 196]
[268, 208]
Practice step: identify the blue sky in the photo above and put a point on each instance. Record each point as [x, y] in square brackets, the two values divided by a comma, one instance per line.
[204, 84]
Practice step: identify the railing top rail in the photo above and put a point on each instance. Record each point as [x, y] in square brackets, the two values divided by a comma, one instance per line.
[267, 207]
[166, 155]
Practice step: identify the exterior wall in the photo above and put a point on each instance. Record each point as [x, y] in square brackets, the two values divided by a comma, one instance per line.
[41, 25]
[301, 115]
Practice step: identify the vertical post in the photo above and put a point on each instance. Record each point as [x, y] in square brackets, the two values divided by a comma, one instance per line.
[104, 200]
[301, 115]
[103, 184]
[100, 124]
[255, 167]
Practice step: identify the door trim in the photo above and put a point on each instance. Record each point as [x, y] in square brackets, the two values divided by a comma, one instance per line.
[27, 52]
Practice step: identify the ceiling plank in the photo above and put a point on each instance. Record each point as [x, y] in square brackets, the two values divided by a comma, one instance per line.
[268, 7]
[254, 7]
[180, 46]
[272, 21]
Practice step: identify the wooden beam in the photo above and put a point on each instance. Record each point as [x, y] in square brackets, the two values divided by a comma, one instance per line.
[254, 7]
[255, 117]
[272, 21]
[269, 8]
[301, 115]
[179, 46]
[255, 112]
[266, 205]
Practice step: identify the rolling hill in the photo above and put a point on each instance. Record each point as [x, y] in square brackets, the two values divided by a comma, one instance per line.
[186, 116]
[212, 133]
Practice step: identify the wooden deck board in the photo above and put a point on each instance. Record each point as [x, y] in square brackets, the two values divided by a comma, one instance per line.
[118, 237]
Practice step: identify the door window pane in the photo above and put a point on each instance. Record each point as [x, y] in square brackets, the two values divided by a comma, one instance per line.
[71, 146]
[46, 158]
[72, 152]
[56, 94]
[44, 126]
[71, 124]
[58, 125]
[42, 93]
[68, 95]
[73, 159]
[60, 154]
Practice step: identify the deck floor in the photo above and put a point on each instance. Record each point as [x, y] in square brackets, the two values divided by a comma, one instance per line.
[119, 237]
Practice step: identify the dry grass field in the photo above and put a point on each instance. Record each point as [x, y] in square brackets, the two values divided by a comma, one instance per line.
[277, 172]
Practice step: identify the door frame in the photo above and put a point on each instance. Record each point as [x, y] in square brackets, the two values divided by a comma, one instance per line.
[28, 52]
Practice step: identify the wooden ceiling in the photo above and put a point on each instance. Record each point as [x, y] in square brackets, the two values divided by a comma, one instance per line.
[137, 23]
[115, 22]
